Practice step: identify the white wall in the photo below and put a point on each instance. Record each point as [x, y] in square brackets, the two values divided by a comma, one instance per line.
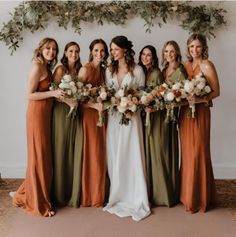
[14, 71]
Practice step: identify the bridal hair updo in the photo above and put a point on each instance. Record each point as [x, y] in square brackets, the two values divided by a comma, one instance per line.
[155, 61]
[91, 46]
[177, 50]
[203, 42]
[123, 42]
[38, 56]
[64, 59]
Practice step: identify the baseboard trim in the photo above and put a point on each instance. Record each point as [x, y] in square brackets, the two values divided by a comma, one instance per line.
[13, 172]
[224, 171]
[220, 171]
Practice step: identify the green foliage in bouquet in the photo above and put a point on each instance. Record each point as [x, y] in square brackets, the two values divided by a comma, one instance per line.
[35, 15]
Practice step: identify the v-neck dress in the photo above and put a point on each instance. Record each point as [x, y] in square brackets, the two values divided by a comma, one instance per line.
[125, 157]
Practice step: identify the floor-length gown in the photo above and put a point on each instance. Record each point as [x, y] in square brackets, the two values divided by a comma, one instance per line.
[197, 180]
[158, 161]
[67, 137]
[94, 149]
[33, 194]
[125, 158]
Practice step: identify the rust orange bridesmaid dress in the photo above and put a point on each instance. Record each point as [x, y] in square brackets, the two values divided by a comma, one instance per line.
[33, 194]
[94, 148]
[197, 181]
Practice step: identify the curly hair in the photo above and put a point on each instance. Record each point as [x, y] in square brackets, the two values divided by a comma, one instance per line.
[202, 39]
[155, 60]
[177, 50]
[123, 42]
[38, 56]
[64, 59]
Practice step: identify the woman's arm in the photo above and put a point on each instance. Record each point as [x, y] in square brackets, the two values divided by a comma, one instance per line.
[35, 75]
[210, 73]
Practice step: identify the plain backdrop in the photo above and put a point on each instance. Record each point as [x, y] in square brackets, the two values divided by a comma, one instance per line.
[14, 70]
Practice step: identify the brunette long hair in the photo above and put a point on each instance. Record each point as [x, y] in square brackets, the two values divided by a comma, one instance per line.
[64, 59]
[91, 46]
[123, 42]
[155, 61]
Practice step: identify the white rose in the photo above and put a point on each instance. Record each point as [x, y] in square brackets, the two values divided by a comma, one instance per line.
[201, 85]
[72, 83]
[197, 91]
[103, 95]
[144, 99]
[120, 93]
[67, 78]
[73, 89]
[188, 86]
[63, 85]
[170, 96]
[176, 86]
[121, 109]
[207, 89]
[133, 108]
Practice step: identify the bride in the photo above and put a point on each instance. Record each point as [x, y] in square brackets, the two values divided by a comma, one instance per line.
[125, 150]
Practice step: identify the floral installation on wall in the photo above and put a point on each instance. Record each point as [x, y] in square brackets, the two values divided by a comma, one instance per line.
[36, 15]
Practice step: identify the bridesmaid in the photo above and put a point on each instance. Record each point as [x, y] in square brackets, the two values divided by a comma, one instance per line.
[197, 180]
[155, 131]
[67, 136]
[94, 143]
[33, 194]
[173, 72]
[125, 150]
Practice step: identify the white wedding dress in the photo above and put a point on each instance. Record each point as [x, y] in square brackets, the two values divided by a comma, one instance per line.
[125, 158]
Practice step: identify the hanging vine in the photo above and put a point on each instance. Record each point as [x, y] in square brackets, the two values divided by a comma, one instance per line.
[35, 15]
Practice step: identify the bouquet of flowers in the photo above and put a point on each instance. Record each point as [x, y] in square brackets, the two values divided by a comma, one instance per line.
[68, 85]
[171, 94]
[196, 87]
[125, 101]
[104, 95]
[150, 97]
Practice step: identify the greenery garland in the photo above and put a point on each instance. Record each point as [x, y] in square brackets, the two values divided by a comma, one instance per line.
[35, 15]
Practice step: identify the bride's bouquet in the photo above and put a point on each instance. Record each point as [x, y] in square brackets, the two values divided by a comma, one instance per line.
[196, 87]
[125, 102]
[68, 85]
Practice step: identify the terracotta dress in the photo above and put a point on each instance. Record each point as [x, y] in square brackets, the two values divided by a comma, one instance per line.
[94, 149]
[197, 180]
[33, 194]
[67, 138]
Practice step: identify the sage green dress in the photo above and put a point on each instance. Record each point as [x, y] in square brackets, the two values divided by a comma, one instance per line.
[162, 153]
[67, 139]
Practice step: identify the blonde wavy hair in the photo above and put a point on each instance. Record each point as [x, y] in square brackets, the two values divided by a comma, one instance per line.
[38, 56]
[177, 50]
[202, 40]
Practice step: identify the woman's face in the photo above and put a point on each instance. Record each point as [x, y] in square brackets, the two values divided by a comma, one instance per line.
[98, 52]
[195, 49]
[49, 51]
[72, 53]
[117, 52]
[146, 58]
[170, 53]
